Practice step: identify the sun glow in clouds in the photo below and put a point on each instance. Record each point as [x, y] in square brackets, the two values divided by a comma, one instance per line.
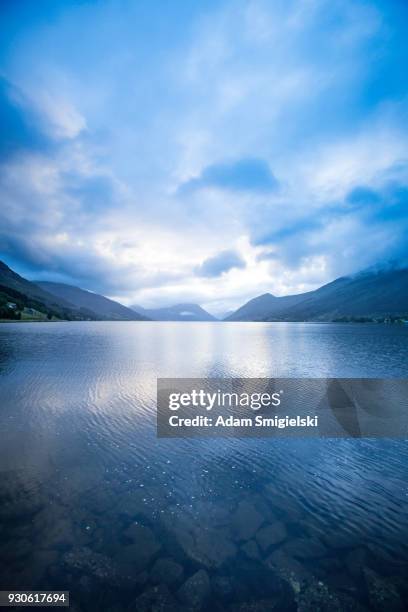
[203, 153]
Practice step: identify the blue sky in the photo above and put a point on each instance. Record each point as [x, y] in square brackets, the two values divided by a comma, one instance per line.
[184, 151]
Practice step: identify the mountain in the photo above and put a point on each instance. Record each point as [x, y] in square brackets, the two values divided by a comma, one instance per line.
[24, 299]
[23, 294]
[263, 306]
[179, 312]
[369, 295]
[103, 307]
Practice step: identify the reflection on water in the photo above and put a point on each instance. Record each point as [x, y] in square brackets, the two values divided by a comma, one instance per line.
[93, 502]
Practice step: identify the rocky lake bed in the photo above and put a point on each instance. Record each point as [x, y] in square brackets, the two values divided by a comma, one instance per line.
[243, 553]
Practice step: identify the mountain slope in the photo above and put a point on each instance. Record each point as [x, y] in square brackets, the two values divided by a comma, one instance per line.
[103, 307]
[369, 294]
[23, 294]
[12, 280]
[178, 312]
[263, 306]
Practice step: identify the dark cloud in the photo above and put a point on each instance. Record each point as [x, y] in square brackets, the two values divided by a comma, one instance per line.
[370, 224]
[19, 127]
[220, 263]
[247, 174]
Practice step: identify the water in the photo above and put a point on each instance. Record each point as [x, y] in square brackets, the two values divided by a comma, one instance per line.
[92, 502]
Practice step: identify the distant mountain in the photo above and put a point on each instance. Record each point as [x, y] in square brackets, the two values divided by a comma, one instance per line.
[368, 295]
[179, 312]
[100, 305]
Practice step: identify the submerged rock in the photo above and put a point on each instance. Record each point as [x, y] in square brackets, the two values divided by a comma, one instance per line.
[246, 521]
[261, 605]
[317, 597]
[289, 569]
[144, 547]
[271, 535]
[209, 547]
[305, 548]
[223, 587]
[166, 571]
[156, 599]
[196, 590]
[20, 498]
[382, 593]
[94, 564]
[142, 503]
[39, 566]
[132, 559]
[251, 550]
[15, 550]
[212, 514]
[58, 534]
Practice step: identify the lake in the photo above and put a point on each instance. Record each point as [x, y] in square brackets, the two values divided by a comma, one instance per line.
[92, 502]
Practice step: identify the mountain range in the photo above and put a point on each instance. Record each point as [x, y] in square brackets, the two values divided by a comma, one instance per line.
[24, 299]
[371, 295]
[368, 295]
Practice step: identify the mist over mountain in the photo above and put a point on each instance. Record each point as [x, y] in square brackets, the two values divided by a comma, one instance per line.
[178, 312]
[376, 293]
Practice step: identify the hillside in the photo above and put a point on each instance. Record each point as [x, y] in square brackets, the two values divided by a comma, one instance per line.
[368, 295]
[103, 307]
[25, 295]
[259, 308]
[178, 312]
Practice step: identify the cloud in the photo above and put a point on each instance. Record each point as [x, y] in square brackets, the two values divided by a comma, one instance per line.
[247, 174]
[220, 263]
[122, 168]
[20, 128]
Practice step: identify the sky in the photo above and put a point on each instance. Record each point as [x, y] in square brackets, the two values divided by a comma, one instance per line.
[183, 151]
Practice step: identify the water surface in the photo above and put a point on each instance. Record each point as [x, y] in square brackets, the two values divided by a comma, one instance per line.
[93, 502]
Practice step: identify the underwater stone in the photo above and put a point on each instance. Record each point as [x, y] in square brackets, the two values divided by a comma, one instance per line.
[16, 549]
[210, 547]
[58, 534]
[288, 569]
[156, 599]
[271, 535]
[251, 550]
[166, 571]
[246, 521]
[133, 558]
[145, 543]
[196, 590]
[262, 605]
[86, 561]
[318, 597]
[382, 593]
[305, 548]
[223, 587]
[18, 500]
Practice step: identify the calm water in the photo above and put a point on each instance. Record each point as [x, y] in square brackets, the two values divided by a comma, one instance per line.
[93, 502]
